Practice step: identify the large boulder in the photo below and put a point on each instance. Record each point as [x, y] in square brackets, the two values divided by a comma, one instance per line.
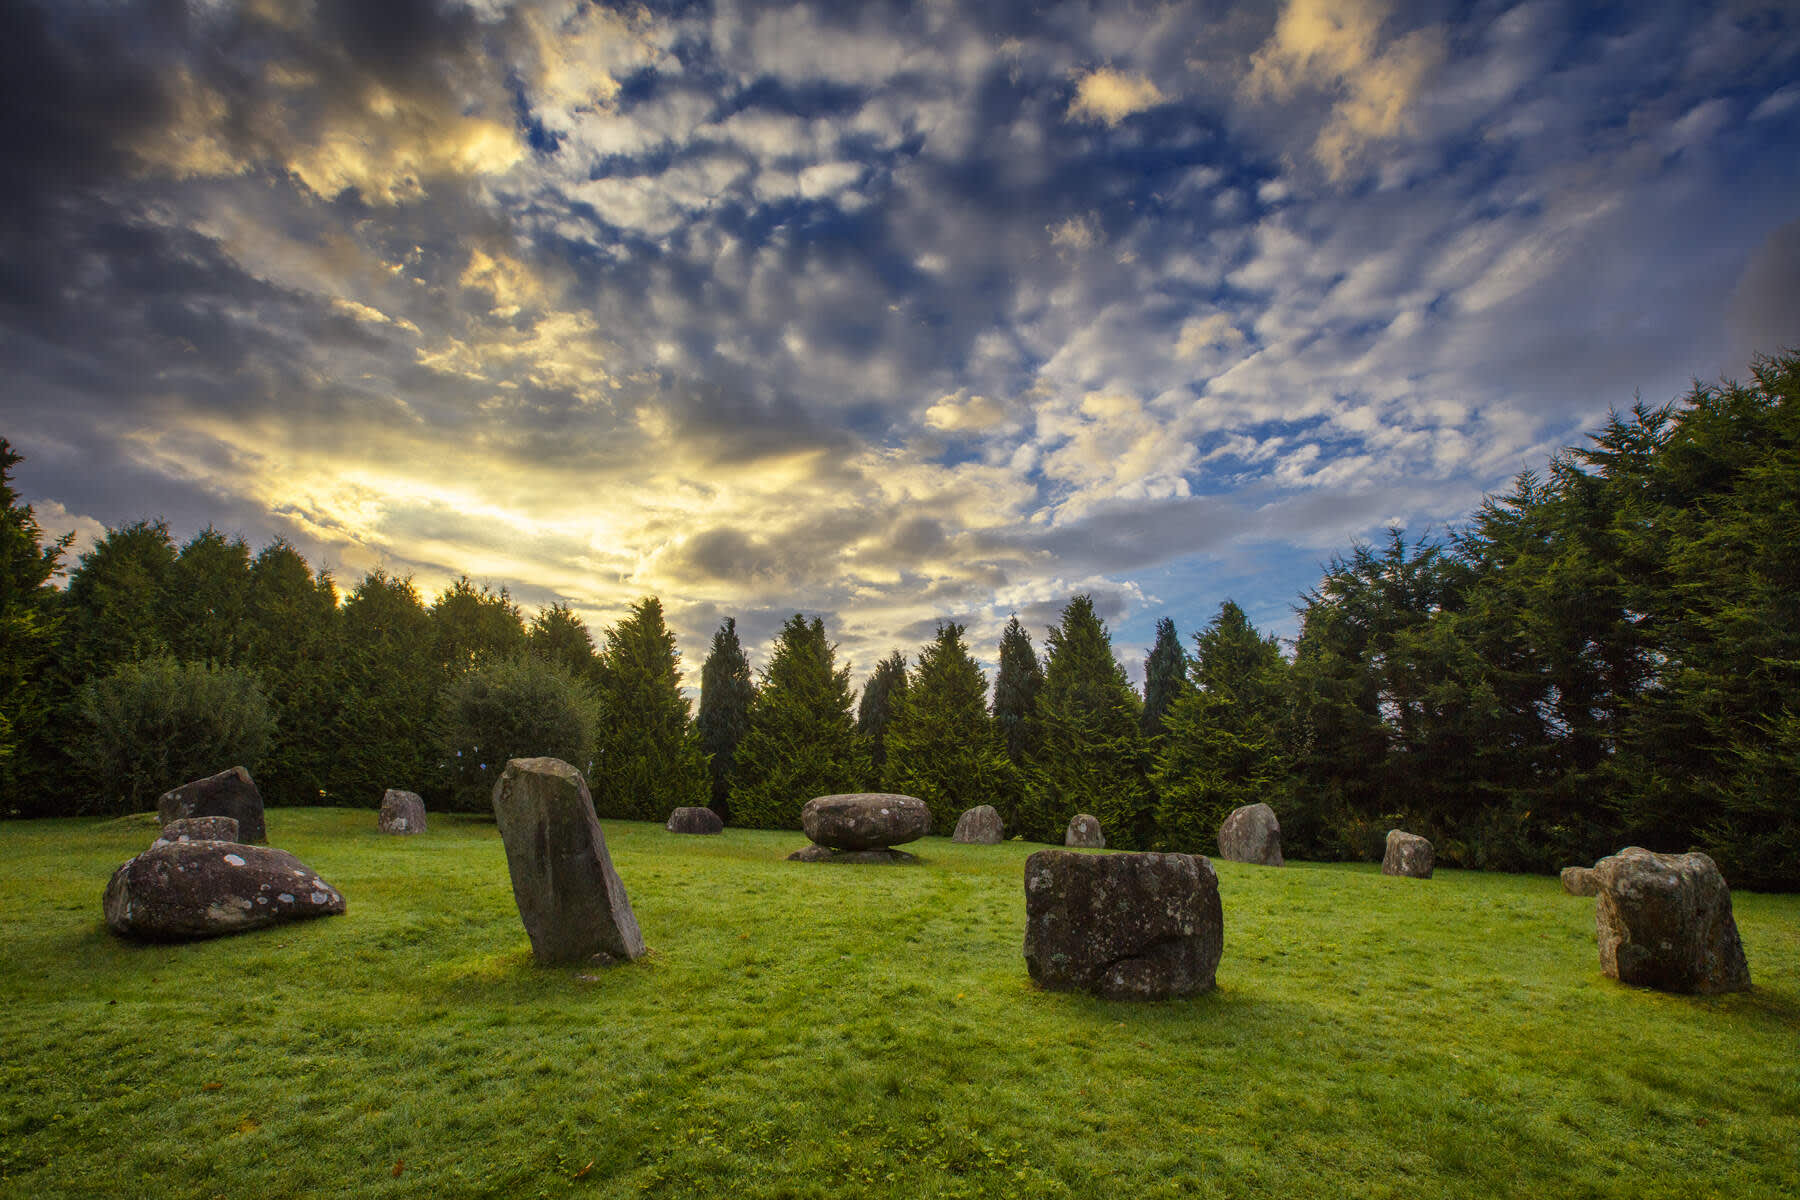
[570, 898]
[1251, 834]
[181, 891]
[1123, 926]
[1580, 881]
[401, 812]
[1407, 854]
[694, 820]
[1664, 921]
[227, 794]
[1084, 831]
[198, 829]
[981, 825]
[865, 820]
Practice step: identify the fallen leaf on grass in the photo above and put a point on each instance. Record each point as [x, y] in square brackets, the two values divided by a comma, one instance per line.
[582, 1174]
[211, 1087]
[399, 1166]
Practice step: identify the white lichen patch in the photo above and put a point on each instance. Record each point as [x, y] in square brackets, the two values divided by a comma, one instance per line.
[235, 860]
[286, 897]
[320, 898]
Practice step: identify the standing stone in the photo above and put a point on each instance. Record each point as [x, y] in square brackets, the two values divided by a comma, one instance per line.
[694, 820]
[980, 826]
[1084, 831]
[865, 820]
[402, 812]
[1580, 881]
[182, 891]
[227, 794]
[1664, 921]
[198, 829]
[1251, 834]
[1407, 854]
[569, 896]
[1123, 926]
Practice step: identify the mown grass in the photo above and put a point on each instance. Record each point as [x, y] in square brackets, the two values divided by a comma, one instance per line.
[829, 1031]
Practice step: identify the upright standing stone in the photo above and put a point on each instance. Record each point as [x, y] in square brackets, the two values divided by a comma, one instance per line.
[569, 896]
[227, 794]
[199, 829]
[1084, 832]
[1407, 854]
[402, 812]
[1664, 921]
[1251, 834]
[1123, 926]
[981, 825]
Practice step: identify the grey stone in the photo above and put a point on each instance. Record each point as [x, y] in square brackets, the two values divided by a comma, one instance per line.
[570, 899]
[183, 891]
[865, 820]
[1664, 921]
[694, 820]
[401, 812]
[1251, 834]
[198, 829]
[879, 856]
[1123, 926]
[1407, 854]
[981, 825]
[1580, 881]
[227, 794]
[1084, 832]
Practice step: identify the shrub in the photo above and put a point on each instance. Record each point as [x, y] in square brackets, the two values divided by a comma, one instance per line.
[522, 707]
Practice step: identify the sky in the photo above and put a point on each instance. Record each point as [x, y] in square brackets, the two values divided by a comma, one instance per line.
[888, 313]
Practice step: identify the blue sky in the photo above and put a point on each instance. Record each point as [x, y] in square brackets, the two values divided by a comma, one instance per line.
[887, 312]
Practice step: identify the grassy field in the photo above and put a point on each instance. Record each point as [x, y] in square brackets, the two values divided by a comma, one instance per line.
[830, 1031]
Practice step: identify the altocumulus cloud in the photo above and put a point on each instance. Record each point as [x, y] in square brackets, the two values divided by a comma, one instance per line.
[887, 312]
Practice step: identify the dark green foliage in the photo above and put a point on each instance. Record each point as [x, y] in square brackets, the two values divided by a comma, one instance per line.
[1165, 676]
[388, 680]
[557, 634]
[28, 629]
[647, 757]
[881, 698]
[116, 603]
[942, 745]
[726, 694]
[519, 707]
[291, 639]
[207, 598]
[1093, 756]
[1016, 688]
[802, 740]
[156, 724]
[471, 626]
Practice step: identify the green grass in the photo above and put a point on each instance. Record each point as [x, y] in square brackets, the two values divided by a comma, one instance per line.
[831, 1031]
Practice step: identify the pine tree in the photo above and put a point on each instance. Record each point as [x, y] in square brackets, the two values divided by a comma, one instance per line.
[802, 739]
[1016, 688]
[647, 758]
[1093, 757]
[881, 698]
[1165, 676]
[942, 746]
[291, 640]
[28, 640]
[726, 695]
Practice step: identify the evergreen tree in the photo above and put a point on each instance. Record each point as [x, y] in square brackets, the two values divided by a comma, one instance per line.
[726, 695]
[521, 707]
[472, 627]
[207, 595]
[802, 739]
[1016, 688]
[1093, 757]
[881, 698]
[291, 640]
[647, 758]
[388, 687]
[117, 602]
[559, 636]
[28, 640]
[1165, 676]
[941, 743]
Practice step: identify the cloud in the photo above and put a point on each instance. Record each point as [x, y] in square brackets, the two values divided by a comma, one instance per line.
[1110, 96]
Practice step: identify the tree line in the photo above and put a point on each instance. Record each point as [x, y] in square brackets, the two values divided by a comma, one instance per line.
[1608, 652]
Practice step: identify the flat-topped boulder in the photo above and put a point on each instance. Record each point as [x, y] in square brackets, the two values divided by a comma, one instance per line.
[199, 829]
[1580, 881]
[1664, 921]
[401, 812]
[695, 820]
[1123, 926]
[1084, 833]
[571, 900]
[227, 794]
[1407, 854]
[865, 820]
[1251, 834]
[980, 826]
[183, 891]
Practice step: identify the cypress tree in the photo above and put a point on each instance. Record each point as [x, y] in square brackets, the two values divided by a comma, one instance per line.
[802, 739]
[647, 759]
[291, 640]
[207, 597]
[726, 694]
[941, 743]
[388, 695]
[1165, 676]
[1016, 688]
[881, 698]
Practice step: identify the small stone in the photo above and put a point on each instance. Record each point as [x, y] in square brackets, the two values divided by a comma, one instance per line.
[1407, 854]
[865, 820]
[198, 829]
[980, 826]
[1580, 881]
[1251, 834]
[695, 820]
[1084, 832]
[401, 812]
[183, 891]
[1664, 921]
[227, 794]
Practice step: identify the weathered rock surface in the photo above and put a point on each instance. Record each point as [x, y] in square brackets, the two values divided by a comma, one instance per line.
[571, 900]
[1084, 831]
[1123, 926]
[181, 891]
[865, 820]
[227, 794]
[879, 856]
[1580, 881]
[1407, 854]
[198, 829]
[401, 812]
[695, 820]
[980, 826]
[1251, 834]
[1664, 921]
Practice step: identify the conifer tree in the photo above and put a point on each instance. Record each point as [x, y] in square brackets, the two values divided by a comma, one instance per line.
[388, 688]
[942, 746]
[802, 739]
[291, 640]
[726, 694]
[28, 634]
[559, 636]
[647, 758]
[472, 627]
[1016, 688]
[207, 595]
[881, 698]
[1165, 676]
[1093, 757]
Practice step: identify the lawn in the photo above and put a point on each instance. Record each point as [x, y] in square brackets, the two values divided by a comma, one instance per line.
[829, 1031]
